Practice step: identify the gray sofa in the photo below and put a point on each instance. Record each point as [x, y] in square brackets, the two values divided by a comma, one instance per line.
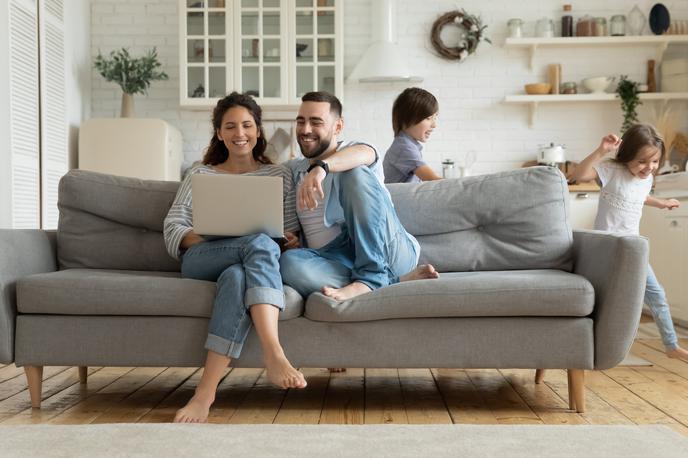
[518, 288]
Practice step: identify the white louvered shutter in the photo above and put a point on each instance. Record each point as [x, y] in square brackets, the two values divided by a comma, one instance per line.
[54, 142]
[24, 114]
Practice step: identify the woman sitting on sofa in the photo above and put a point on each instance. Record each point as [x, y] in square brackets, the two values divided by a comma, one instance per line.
[246, 269]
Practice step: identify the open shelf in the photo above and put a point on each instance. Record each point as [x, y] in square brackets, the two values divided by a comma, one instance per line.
[661, 42]
[602, 97]
[534, 100]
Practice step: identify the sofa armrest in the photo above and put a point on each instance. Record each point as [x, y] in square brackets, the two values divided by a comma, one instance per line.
[24, 252]
[617, 268]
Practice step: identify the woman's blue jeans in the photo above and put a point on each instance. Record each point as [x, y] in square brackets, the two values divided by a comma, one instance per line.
[655, 298]
[246, 270]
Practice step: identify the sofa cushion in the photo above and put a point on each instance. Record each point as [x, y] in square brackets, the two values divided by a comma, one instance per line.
[121, 292]
[511, 220]
[466, 294]
[111, 222]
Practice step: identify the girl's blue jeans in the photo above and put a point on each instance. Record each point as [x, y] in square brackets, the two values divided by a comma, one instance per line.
[655, 298]
[246, 270]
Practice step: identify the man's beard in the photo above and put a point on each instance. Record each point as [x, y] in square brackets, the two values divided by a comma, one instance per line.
[321, 148]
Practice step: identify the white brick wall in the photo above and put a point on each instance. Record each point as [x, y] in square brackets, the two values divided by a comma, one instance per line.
[472, 115]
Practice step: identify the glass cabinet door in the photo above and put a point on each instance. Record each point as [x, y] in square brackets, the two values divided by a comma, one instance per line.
[315, 30]
[275, 50]
[262, 32]
[205, 54]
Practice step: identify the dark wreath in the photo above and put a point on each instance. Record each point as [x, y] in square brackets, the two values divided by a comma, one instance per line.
[473, 29]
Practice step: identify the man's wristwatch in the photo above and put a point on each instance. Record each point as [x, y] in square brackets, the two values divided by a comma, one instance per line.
[322, 164]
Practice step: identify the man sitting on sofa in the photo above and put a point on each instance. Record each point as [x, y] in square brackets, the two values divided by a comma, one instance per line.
[355, 241]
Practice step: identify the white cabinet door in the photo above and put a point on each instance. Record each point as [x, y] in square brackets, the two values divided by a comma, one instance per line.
[54, 142]
[274, 50]
[668, 235]
[22, 186]
[205, 51]
[583, 207]
[316, 36]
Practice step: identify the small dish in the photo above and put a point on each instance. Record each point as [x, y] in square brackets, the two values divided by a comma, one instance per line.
[538, 88]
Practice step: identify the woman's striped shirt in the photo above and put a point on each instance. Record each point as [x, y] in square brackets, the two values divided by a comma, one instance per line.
[178, 222]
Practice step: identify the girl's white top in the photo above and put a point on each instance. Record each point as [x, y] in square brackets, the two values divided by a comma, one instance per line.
[621, 199]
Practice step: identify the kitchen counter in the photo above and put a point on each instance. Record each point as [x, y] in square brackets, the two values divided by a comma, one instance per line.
[589, 186]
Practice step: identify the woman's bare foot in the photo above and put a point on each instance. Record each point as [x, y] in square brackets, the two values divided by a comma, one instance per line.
[678, 353]
[282, 374]
[349, 291]
[421, 272]
[196, 410]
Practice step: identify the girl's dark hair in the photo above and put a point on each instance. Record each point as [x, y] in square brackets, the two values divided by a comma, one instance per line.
[636, 138]
[411, 107]
[217, 153]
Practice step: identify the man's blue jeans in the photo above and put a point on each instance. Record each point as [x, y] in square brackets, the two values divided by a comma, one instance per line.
[655, 298]
[246, 270]
[373, 247]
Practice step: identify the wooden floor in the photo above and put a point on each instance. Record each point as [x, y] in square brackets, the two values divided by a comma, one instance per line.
[656, 394]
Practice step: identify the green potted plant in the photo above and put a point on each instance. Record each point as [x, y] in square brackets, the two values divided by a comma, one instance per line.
[627, 90]
[133, 74]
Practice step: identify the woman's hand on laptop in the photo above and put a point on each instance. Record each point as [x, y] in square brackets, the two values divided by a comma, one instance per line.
[190, 239]
[292, 241]
[311, 189]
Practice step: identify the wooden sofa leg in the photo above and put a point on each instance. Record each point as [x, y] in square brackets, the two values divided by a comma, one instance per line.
[34, 377]
[577, 389]
[539, 375]
[83, 374]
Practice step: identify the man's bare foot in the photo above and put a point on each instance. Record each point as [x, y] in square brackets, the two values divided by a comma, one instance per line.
[349, 291]
[335, 370]
[678, 353]
[421, 272]
[282, 374]
[196, 410]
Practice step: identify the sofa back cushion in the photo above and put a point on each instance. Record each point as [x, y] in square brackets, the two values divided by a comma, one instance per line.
[511, 220]
[111, 222]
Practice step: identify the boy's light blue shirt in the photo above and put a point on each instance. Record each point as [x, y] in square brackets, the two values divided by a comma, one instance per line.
[334, 213]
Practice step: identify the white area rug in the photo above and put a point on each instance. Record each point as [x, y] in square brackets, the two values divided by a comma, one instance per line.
[633, 360]
[143, 440]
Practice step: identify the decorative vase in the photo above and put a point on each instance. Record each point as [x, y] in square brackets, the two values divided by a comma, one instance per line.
[651, 80]
[127, 110]
[636, 21]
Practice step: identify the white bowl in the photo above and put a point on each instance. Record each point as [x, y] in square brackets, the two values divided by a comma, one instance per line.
[598, 84]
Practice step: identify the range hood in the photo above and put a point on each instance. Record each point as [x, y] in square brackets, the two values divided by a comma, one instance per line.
[384, 60]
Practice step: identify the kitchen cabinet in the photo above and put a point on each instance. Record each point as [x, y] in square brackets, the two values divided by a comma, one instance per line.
[583, 208]
[274, 50]
[660, 42]
[668, 235]
[146, 148]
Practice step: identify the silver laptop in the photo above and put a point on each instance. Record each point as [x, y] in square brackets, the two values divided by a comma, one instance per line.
[236, 205]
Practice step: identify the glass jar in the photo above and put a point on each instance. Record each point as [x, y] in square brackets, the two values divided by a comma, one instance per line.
[600, 28]
[569, 87]
[617, 25]
[584, 26]
[567, 22]
[448, 168]
[544, 28]
[515, 27]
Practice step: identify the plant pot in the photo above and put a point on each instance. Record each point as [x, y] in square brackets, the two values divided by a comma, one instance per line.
[127, 110]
